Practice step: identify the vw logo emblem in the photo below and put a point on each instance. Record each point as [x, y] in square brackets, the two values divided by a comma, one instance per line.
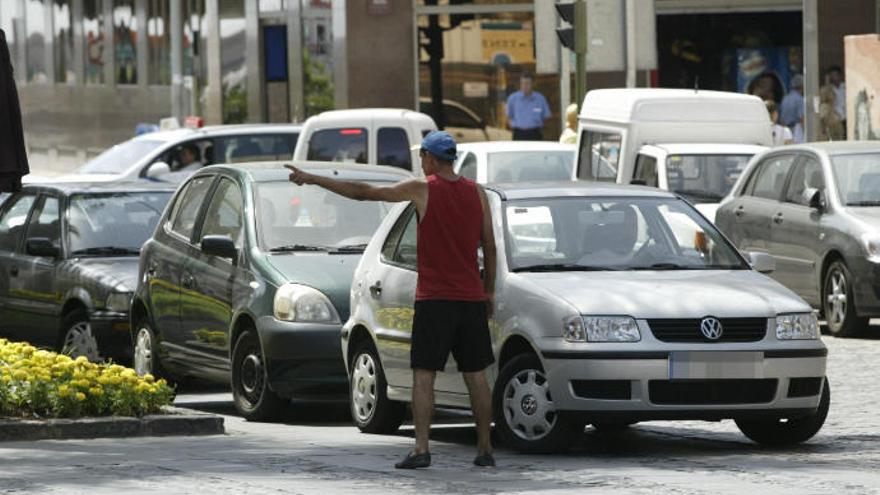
[711, 328]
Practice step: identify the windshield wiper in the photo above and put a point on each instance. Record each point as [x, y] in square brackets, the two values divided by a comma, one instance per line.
[106, 250]
[874, 202]
[351, 248]
[700, 194]
[296, 247]
[664, 266]
[563, 267]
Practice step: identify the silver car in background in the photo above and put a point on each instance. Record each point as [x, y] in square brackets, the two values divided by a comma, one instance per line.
[615, 304]
[816, 209]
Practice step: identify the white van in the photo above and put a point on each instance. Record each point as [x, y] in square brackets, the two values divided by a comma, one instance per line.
[376, 136]
[694, 143]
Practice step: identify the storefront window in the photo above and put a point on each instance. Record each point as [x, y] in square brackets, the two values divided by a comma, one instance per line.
[483, 57]
[93, 31]
[35, 22]
[158, 42]
[471, 2]
[125, 41]
[272, 5]
[65, 71]
[234, 69]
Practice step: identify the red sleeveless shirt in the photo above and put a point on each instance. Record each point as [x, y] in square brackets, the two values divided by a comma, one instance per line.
[448, 239]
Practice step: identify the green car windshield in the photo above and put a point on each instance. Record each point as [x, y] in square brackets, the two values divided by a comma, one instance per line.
[308, 218]
[579, 234]
[113, 223]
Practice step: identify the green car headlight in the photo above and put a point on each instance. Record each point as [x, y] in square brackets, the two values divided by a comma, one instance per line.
[301, 303]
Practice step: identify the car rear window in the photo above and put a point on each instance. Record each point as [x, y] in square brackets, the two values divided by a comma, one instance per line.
[393, 148]
[347, 144]
[253, 148]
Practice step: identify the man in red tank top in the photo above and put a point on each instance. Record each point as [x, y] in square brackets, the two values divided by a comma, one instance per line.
[453, 304]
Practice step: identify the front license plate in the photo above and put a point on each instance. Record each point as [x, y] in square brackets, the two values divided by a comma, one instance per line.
[692, 365]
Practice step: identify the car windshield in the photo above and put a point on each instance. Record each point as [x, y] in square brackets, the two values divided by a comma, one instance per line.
[114, 223]
[523, 166]
[309, 218]
[704, 178]
[119, 158]
[571, 234]
[858, 178]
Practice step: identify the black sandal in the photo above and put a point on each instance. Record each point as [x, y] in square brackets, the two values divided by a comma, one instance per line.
[415, 461]
[484, 460]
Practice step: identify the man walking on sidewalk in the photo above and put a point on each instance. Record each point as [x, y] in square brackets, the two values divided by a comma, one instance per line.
[452, 304]
[527, 110]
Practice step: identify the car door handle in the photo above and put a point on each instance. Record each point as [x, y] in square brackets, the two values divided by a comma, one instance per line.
[189, 281]
[739, 211]
[376, 289]
[777, 218]
[151, 270]
[13, 271]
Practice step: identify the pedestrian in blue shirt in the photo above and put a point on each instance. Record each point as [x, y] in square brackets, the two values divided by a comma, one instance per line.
[527, 110]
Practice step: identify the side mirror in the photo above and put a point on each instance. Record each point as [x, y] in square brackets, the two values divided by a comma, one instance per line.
[813, 198]
[761, 262]
[219, 245]
[41, 246]
[157, 169]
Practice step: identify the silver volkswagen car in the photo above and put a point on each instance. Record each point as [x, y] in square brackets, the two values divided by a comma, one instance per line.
[615, 304]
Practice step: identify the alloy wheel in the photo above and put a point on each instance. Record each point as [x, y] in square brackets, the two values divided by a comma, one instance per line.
[79, 341]
[143, 352]
[527, 405]
[836, 298]
[363, 387]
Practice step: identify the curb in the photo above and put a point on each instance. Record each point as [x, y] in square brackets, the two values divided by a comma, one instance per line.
[175, 421]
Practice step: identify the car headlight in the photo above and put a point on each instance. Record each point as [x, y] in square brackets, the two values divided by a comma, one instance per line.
[797, 326]
[601, 329]
[871, 242]
[295, 302]
[118, 302]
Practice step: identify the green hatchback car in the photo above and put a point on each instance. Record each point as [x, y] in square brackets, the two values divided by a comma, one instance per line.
[246, 281]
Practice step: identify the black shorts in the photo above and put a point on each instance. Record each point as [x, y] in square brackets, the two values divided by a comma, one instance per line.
[460, 327]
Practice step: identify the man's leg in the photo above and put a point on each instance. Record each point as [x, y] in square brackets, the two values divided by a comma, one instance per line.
[423, 406]
[481, 404]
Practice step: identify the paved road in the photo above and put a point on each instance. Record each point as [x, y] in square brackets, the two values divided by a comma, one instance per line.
[316, 451]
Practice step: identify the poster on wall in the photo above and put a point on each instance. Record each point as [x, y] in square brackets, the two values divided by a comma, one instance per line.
[862, 86]
[766, 72]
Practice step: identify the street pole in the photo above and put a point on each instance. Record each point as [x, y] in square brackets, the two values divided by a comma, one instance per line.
[811, 68]
[580, 50]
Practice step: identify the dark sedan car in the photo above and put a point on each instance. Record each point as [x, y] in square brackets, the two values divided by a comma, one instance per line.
[247, 278]
[68, 262]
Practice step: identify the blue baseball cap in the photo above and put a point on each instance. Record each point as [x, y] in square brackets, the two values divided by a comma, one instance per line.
[440, 144]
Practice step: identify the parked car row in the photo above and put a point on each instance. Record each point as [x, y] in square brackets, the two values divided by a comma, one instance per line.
[615, 303]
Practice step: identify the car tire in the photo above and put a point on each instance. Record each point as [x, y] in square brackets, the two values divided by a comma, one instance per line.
[371, 409]
[525, 418]
[77, 338]
[838, 302]
[251, 394]
[781, 433]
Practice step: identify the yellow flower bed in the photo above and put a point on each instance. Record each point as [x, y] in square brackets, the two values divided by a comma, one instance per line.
[43, 384]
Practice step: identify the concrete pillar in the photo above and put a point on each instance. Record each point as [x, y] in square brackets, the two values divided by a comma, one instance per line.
[213, 109]
[49, 41]
[812, 75]
[109, 52]
[79, 58]
[295, 74]
[340, 54]
[142, 47]
[253, 61]
[176, 31]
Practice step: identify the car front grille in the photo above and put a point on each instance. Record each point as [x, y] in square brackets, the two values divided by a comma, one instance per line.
[688, 330]
[707, 392]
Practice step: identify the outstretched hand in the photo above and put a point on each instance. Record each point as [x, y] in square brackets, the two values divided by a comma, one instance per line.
[297, 176]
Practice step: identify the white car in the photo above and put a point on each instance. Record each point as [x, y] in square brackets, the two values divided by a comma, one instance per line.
[375, 136]
[156, 155]
[515, 161]
[603, 316]
[703, 173]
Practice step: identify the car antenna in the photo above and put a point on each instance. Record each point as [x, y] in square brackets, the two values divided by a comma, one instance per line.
[696, 84]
